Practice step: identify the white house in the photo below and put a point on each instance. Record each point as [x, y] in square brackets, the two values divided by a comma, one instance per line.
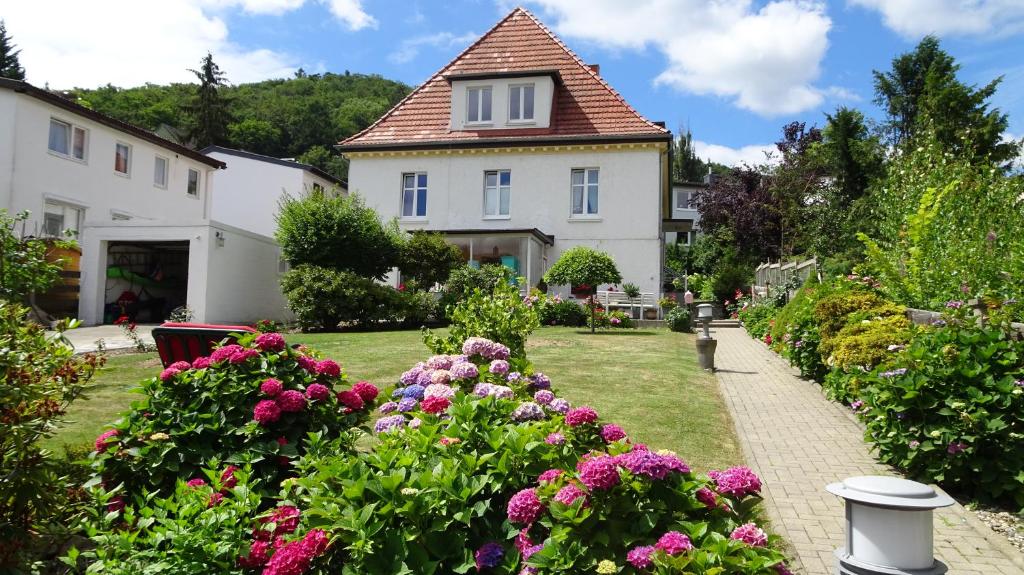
[141, 208]
[683, 226]
[517, 150]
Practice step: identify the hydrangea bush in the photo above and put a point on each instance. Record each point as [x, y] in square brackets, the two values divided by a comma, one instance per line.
[253, 403]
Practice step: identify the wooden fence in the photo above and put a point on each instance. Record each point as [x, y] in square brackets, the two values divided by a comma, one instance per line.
[774, 274]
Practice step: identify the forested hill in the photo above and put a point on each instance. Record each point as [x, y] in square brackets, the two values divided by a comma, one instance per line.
[301, 117]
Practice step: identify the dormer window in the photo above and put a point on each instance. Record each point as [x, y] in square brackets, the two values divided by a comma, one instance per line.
[520, 103]
[478, 111]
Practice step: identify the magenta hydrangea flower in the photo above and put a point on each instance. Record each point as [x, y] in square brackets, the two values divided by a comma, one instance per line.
[569, 494]
[201, 363]
[271, 342]
[271, 387]
[736, 481]
[554, 439]
[181, 365]
[599, 473]
[463, 370]
[707, 497]
[439, 390]
[366, 390]
[524, 506]
[328, 368]
[652, 465]
[544, 397]
[612, 432]
[294, 557]
[317, 392]
[307, 363]
[674, 543]
[243, 355]
[549, 475]
[488, 555]
[640, 556]
[498, 367]
[196, 482]
[224, 353]
[580, 416]
[291, 401]
[350, 399]
[750, 534]
[259, 554]
[101, 443]
[435, 405]
[169, 373]
[266, 412]
[227, 477]
[559, 405]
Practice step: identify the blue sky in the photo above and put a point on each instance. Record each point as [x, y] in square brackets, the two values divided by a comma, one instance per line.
[733, 71]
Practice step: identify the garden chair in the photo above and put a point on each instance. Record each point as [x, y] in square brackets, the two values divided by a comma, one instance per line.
[188, 341]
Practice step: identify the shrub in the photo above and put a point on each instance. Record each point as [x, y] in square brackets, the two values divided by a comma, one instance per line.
[24, 267]
[795, 331]
[865, 343]
[609, 319]
[39, 378]
[338, 232]
[249, 403]
[499, 315]
[678, 319]
[580, 265]
[417, 308]
[756, 318]
[556, 311]
[322, 298]
[428, 259]
[946, 409]
[463, 280]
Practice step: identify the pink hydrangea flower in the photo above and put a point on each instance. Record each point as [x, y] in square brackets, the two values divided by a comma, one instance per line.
[653, 465]
[243, 356]
[499, 367]
[350, 399]
[580, 416]
[328, 368]
[439, 362]
[201, 363]
[169, 373]
[439, 390]
[524, 507]
[549, 475]
[674, 543]
[554, 439]
[366, 391]
[266, 412]
[440, 376]
[181, 365]
[463, 370]
[569, 494]
[707, 497]
[307, 363]
[599, 473]
[101, 441]
[750, 534]
[271, 387]
[640, 556]
[196, 482]
[224, 353]
[317, 392]
[271, 342]
[736, 481]
[227, 477]
[291, 401]
[435, 405]
[611, 432]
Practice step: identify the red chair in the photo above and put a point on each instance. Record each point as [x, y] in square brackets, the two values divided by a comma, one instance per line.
[188, 341]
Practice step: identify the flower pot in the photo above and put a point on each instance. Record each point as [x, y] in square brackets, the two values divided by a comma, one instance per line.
[650, 313]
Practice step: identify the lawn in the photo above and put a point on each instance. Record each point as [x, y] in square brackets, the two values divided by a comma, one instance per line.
[645, 380]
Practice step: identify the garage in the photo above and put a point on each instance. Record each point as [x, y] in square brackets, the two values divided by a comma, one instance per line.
[145, 280]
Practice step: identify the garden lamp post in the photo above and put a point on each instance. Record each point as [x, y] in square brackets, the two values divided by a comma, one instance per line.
[888, 526]
[705, 343]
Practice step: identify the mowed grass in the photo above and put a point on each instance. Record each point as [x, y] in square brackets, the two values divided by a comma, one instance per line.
[647, 381]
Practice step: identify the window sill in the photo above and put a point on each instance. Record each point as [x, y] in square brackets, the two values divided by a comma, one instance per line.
[413, 220]
[193, 196]
[508, 217]
[478, 125]
[117, 173]
[582, 219]
[67, 157]
[518, 123]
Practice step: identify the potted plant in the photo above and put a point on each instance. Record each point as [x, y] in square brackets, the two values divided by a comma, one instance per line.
[632, 291]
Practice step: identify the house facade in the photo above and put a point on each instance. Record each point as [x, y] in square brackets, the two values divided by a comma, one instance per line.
[517, 151]
[141, 209]
[683, 225]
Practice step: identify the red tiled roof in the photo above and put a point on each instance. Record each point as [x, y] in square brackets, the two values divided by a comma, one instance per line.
[586, 107]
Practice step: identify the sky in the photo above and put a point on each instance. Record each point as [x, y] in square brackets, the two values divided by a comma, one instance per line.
[731, 71]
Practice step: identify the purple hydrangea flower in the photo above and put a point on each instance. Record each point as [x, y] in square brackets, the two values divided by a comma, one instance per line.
[540, 381]
[554, 439]
[528, 411]
[414, 391]
[389, 423]
[463, 370]
[388, 407]
[488, 555]
[559, 405]
[544, 397]
[407, 404]
[499, 367]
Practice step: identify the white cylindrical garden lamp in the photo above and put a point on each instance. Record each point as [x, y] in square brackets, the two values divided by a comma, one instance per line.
[888, 526]
[705, 344]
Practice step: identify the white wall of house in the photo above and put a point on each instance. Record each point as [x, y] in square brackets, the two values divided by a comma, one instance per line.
[627, 226]
[248, 191]
[243, 277]
[681, 193]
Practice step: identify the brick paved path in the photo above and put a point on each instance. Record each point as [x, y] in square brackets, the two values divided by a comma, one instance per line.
[798, 441]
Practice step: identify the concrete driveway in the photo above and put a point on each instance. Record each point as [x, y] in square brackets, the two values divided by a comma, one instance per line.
[84, 339]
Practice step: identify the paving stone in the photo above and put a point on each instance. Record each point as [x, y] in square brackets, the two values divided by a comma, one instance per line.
[798, 441]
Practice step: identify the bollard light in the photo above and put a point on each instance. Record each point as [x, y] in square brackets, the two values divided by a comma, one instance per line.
[888, 526]
[705, 344]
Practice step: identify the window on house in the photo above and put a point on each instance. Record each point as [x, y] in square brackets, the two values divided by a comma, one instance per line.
[479, 108]
[122, 158]
[584, 192]
[193, 182]
[683, 200]
[66, 139]
[58, 218]
[160, 172]
[520, 103]
[414, 195]
[497, 193]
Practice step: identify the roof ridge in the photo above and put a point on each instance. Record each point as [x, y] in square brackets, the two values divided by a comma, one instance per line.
[586, 67]
[440, 72]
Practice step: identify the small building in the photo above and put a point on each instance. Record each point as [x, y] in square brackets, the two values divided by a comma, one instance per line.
[683, 225]
[518, 150]
[141, 208]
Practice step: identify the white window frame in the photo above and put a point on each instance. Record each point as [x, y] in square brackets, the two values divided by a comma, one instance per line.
[48, 208]
[167, 171]
[128, 159]
[69, 141]
[498, 190]
[480, 105]
[199, 183]
[688, 205]
[585, 214]
[414, 190]
[522, 119]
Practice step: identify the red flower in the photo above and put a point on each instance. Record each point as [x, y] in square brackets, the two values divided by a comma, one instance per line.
[435, 405]
[350, 399]
[366, 390]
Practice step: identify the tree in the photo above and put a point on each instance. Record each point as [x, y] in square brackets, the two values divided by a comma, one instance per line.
[327, 160]
[209, 109]
[339, 232]
[251, 134]
[10, 67]
[24, 267]
[579, 266]
[922, 91]
[740, 206]
[428, 259]
[686, 166]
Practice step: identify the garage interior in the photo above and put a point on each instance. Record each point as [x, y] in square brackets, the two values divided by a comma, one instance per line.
[146, 280]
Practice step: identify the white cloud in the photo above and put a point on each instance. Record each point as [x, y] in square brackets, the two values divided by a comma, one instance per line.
[410, 48]
[131, 42]
[764, 59]
[752, 155]
[915, 18]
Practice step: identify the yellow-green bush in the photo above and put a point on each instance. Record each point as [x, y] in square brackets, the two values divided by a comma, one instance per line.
[865, 343]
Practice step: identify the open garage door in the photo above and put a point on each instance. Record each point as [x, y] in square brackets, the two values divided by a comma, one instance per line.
[145, 280]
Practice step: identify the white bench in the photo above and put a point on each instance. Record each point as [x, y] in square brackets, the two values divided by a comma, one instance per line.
[619, 300]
